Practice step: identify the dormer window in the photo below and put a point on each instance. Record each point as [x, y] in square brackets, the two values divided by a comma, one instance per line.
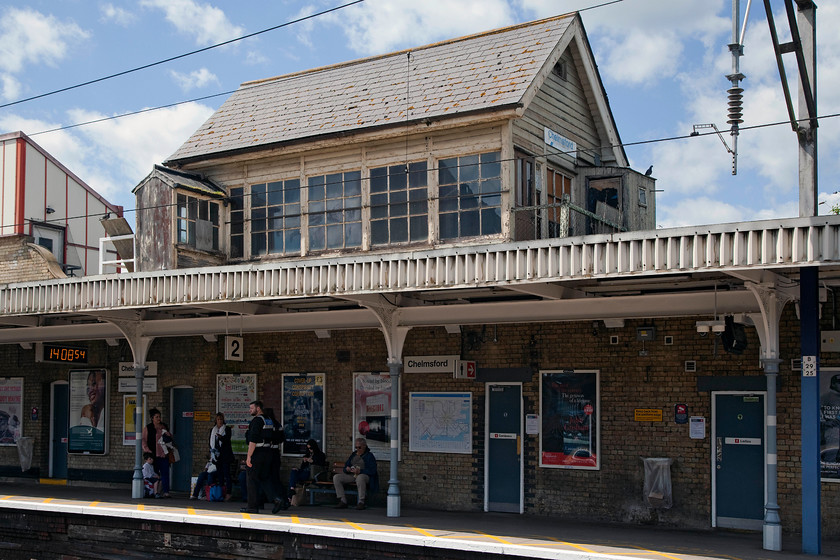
[198, 223]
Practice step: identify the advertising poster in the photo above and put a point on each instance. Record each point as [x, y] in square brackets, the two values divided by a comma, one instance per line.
[233, 395]
[11, 410]
[830, 424]
[372, 412]
[440, 422]
[129, 429]
[303, 411]
[569, 409]
[88, 411]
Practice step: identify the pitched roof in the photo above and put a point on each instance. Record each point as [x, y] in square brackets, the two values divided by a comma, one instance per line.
[181, 179]
[486, 71]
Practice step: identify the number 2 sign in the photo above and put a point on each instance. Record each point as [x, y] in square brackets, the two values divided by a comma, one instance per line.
[233, 348]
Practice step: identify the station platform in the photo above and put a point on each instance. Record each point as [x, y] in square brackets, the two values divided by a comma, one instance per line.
[510, 535]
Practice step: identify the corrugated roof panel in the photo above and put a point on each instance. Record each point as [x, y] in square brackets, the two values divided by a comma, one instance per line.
[490, 69]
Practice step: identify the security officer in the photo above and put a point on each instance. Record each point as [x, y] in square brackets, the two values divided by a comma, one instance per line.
[260, 436]
[277, 440]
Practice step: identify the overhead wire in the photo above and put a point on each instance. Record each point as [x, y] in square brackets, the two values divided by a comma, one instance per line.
[180, 56]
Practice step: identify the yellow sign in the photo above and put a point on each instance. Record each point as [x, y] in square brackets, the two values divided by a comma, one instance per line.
[647, 415]
[205, 416]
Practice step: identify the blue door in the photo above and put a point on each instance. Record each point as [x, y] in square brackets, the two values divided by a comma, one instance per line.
[503, 458]
[182, 433]
[738, 447]
[59, 426]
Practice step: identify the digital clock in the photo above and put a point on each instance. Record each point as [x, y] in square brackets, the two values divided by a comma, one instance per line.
[64, 354]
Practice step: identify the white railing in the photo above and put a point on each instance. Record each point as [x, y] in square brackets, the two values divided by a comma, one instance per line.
[768, 244]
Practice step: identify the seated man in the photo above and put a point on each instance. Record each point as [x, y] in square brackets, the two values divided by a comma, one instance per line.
[360, 468]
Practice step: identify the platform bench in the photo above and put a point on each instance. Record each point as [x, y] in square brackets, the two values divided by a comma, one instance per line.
[323, 484]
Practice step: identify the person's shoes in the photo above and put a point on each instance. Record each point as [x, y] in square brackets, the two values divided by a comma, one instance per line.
[341, 505]
[360, 505]
[249, 510]
[158, 496]
[193, 497]
[228, 497]
[278, 505]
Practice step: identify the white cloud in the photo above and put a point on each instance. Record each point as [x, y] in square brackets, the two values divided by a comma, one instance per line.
[118, 15]
[28, 38]
[113, 156]
[206, 24]
[383, 26]
[195, 79]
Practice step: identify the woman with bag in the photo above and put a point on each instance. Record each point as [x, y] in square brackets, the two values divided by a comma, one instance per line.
[220, 440]
[313, 457]
[152, 436]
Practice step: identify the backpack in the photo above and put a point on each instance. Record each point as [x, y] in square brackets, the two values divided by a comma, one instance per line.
[215, 493]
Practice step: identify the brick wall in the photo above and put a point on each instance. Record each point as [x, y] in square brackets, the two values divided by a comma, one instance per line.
[628, 381]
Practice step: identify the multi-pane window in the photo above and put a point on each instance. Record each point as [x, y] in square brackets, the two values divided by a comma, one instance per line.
[237, 223]
[190, 211]
[275, 217]
[558, 186]
[335, 211]
[398, 204]
[470, 197]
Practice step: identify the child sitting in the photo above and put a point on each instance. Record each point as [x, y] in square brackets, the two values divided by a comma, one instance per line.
[208, 476]
[151, 480]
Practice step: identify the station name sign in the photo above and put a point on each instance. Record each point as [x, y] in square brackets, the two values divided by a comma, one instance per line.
[430, 364]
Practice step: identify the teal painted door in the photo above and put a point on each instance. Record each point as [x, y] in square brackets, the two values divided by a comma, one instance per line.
[182, 433]
[739, 460]
[60, 424]
[503, 491]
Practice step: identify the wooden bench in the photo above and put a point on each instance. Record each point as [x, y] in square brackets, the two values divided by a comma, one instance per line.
[322, 483]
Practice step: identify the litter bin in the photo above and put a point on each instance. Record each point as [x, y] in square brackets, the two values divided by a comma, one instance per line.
[25, 445]
[657, 491]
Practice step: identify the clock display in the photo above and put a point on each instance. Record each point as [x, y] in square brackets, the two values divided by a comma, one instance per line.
[65, 354]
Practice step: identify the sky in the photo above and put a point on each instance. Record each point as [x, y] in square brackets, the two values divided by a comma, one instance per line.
[663, 64]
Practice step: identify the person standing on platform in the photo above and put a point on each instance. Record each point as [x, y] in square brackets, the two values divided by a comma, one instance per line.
[152, 434]
[220, 439]
[260, 436]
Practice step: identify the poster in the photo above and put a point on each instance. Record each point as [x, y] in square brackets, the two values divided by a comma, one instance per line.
[440, 422]
[11, 410]
[233, 395]
[570, 411]
[372, 412]
[129, 429]
[830, 424]
[303, 411]
[89, 397]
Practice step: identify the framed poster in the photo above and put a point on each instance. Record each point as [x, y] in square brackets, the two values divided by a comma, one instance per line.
[89, 398]
[303, 411]
[372, 412]
[570, 413]
[233, 395]
[11, 410]
[830, 424]
[129, 428]
[440, 422]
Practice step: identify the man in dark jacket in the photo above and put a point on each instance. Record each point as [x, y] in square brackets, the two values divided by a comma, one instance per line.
[360, 468]
[261, 436]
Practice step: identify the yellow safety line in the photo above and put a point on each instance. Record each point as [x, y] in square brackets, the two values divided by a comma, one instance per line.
[573, 545]
[295, 518]
[354, 525]
[141, 507]
[8, 497]
[96, 503]
[495, 538]
[190, 511]
[246, 515]
[657, 552]
[48, 500]
[421, 531]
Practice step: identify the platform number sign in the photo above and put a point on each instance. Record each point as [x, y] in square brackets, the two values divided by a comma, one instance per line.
[233, 348]
[809, 366]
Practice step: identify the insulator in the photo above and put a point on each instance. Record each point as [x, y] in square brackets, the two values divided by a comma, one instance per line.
[735, 106]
